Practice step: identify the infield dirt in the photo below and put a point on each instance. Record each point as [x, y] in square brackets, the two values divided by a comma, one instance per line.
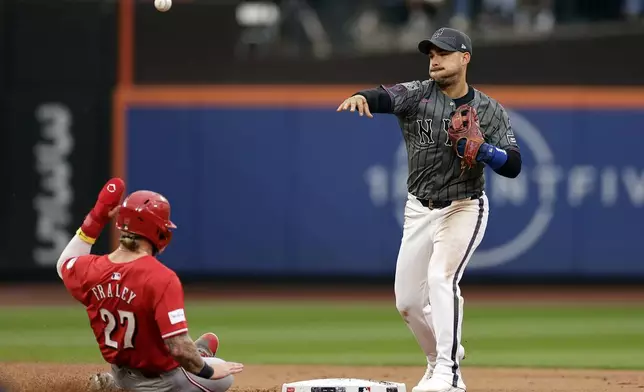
[32, 377]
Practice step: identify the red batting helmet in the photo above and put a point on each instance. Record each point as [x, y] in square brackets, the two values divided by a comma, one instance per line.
[147, 214]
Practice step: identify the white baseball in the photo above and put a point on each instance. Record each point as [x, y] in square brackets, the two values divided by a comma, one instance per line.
[163, 5]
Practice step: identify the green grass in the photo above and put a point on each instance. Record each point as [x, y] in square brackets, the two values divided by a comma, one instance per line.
[358, 333]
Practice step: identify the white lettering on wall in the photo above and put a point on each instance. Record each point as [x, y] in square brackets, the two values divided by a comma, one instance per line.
[55, 194]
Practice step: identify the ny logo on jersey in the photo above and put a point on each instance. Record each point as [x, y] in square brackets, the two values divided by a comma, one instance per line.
[426, 132]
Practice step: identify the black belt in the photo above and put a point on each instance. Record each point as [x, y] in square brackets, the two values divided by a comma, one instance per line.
[437, 205]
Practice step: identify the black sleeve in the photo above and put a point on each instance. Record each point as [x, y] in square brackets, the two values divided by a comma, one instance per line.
[512, 166]
[378, 100]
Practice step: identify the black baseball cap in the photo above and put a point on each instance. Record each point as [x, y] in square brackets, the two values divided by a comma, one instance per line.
[447, 39]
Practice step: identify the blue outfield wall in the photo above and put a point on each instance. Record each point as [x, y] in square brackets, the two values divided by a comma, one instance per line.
[305, 191]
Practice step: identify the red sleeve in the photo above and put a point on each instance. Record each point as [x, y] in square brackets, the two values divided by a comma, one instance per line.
[169, 310]
[73, 274]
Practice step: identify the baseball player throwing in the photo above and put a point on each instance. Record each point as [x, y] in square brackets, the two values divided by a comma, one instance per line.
[451, 132]
[135, 303]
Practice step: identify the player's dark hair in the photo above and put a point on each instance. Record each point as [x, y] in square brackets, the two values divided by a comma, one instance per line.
[130, 242]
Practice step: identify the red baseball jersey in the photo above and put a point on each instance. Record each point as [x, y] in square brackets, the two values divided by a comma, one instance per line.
[131, 307]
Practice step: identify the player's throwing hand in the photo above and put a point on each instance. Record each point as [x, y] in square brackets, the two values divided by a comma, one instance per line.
[353, 102]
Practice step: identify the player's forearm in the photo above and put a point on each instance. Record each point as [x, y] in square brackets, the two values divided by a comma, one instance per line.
[512, 166]
[377, 99]
[505, 162]
[76, 247]
[184, 351]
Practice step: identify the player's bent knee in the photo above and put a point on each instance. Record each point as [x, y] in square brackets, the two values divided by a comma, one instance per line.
[213, 360]
[222, 384]
[409, 301]
[407, 307]
[437, 280]
[225, 383]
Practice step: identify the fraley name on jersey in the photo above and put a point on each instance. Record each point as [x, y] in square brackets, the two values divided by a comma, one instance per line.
[103, 291]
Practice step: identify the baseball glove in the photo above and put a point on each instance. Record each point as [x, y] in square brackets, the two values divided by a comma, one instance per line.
[465, 125]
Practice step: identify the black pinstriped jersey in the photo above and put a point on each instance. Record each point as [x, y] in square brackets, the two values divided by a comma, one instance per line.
[423, 112]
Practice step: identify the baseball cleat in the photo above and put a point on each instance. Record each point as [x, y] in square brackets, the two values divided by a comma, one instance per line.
[102, 382]
[428, 373]
[436, 385]
[207, 344]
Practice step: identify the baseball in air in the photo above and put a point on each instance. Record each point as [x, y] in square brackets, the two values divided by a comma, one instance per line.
[163, 5]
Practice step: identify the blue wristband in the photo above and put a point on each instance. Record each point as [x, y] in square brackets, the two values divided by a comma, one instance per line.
[494, 157]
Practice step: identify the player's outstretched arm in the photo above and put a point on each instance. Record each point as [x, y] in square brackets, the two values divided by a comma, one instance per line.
[105, 208]
[173, 326]
[367, 101]
[184, 351]
[356, 102]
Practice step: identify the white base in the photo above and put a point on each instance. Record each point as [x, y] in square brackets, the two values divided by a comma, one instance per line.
[343, 385]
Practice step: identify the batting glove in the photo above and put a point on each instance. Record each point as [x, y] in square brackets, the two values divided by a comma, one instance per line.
[108, 199]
